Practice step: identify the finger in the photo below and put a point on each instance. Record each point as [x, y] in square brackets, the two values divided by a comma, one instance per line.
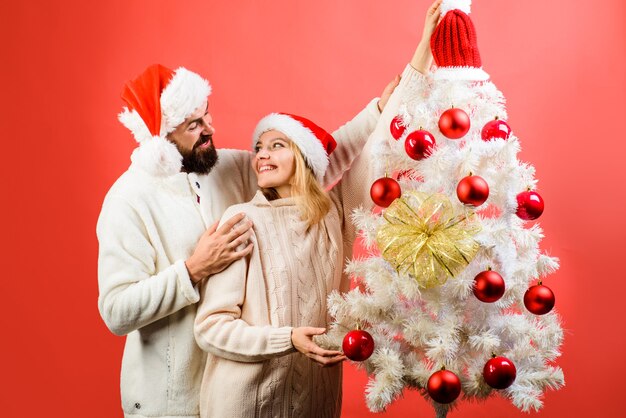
[319, 351]
[237, 231]
[230, 223]
[435, 5]
[335, 361]
[241, 240]
[236, 255]
[212, 228]
[313, 330]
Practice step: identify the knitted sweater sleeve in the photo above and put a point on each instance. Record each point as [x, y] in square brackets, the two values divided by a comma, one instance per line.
[235, 170]
[131, 295]
[351, 139]
[353, 189]
[219, 327]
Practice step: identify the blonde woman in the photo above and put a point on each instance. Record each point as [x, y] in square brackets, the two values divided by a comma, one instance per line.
[257, 318]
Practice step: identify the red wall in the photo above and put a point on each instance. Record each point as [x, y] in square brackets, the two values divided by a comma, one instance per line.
[561, 65]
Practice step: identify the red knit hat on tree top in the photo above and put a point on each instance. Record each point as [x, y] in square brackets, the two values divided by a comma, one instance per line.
[454, 44]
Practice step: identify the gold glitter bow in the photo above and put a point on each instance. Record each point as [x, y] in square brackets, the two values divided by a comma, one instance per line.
[423, 236]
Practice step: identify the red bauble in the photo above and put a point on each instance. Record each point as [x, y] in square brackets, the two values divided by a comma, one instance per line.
[499, 372]
[472, 190]
[358, 345]
[444, 386]
[495, 129]
[419, 144]
[454, 123]
[539, 299]
[488, 286]
[529, 205]
[396, 127]
[384, 191]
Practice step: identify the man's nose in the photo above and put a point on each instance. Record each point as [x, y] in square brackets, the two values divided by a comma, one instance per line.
[207, 125]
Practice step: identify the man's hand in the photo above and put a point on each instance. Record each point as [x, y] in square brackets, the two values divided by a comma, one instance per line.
[386, 94]
[218, 248]
[302, 340]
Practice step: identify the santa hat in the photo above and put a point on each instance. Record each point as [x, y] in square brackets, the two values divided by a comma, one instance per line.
[159, 100]
[314, 143]
[454, 44]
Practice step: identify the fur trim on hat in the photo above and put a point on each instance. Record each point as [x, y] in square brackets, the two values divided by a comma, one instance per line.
[185, 92]
[158, 157]
[310, 146]
[460, 73]
[462, 5]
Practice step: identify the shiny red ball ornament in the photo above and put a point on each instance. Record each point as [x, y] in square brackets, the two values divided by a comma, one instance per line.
[384, 191]
[488, 286]
[539, 299]
[358, 345]
[472, 190]
[396, 127]
[495, 129]
[419, 144]
[454, 123]
[499, 372]
[529, 205]
[444, 386]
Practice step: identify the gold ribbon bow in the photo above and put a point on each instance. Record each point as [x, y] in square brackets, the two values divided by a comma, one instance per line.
[425, 237]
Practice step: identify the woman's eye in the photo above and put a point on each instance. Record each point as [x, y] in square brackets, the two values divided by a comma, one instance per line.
[278, 145]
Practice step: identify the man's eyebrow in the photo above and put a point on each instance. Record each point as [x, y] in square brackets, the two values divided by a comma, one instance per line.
[200, 118]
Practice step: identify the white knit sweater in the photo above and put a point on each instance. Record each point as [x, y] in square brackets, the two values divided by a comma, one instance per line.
[147, 227]
[247, 311]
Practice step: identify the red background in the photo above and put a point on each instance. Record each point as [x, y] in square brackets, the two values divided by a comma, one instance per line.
[560, 64]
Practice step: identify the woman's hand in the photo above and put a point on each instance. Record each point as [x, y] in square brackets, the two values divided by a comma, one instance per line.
[302, 340]
[386, 94]
[422, 59]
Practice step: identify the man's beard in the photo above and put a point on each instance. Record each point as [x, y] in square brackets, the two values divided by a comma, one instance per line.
[200, 160]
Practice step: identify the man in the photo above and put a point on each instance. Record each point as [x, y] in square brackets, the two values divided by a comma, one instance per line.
[154, 244]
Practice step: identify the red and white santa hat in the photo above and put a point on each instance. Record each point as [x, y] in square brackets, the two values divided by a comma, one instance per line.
[159, 100]
[314, 143]
[454, 45]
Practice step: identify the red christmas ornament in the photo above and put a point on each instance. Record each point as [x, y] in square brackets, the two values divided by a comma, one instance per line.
[499, 372]
[419, 144]
[444, 386]
[488, 286]
[358, 345]
[539, 299]
[472, 190]
[495, 129]
[529, 205]
[384, 191]
[454, 123]
[396, 127]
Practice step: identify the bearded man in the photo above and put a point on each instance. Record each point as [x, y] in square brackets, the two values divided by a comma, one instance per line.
[158, 236]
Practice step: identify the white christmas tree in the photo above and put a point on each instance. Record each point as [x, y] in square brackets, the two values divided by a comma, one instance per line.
[450, 280]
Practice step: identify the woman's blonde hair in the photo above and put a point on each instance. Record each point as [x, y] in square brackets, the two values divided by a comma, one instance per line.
[311, 199]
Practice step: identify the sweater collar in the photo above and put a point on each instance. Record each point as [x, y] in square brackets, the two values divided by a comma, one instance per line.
[259, 199]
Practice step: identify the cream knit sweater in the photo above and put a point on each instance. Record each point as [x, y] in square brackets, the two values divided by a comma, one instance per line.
[246, 313]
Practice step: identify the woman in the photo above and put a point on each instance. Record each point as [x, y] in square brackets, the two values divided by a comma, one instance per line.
[257, 318]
